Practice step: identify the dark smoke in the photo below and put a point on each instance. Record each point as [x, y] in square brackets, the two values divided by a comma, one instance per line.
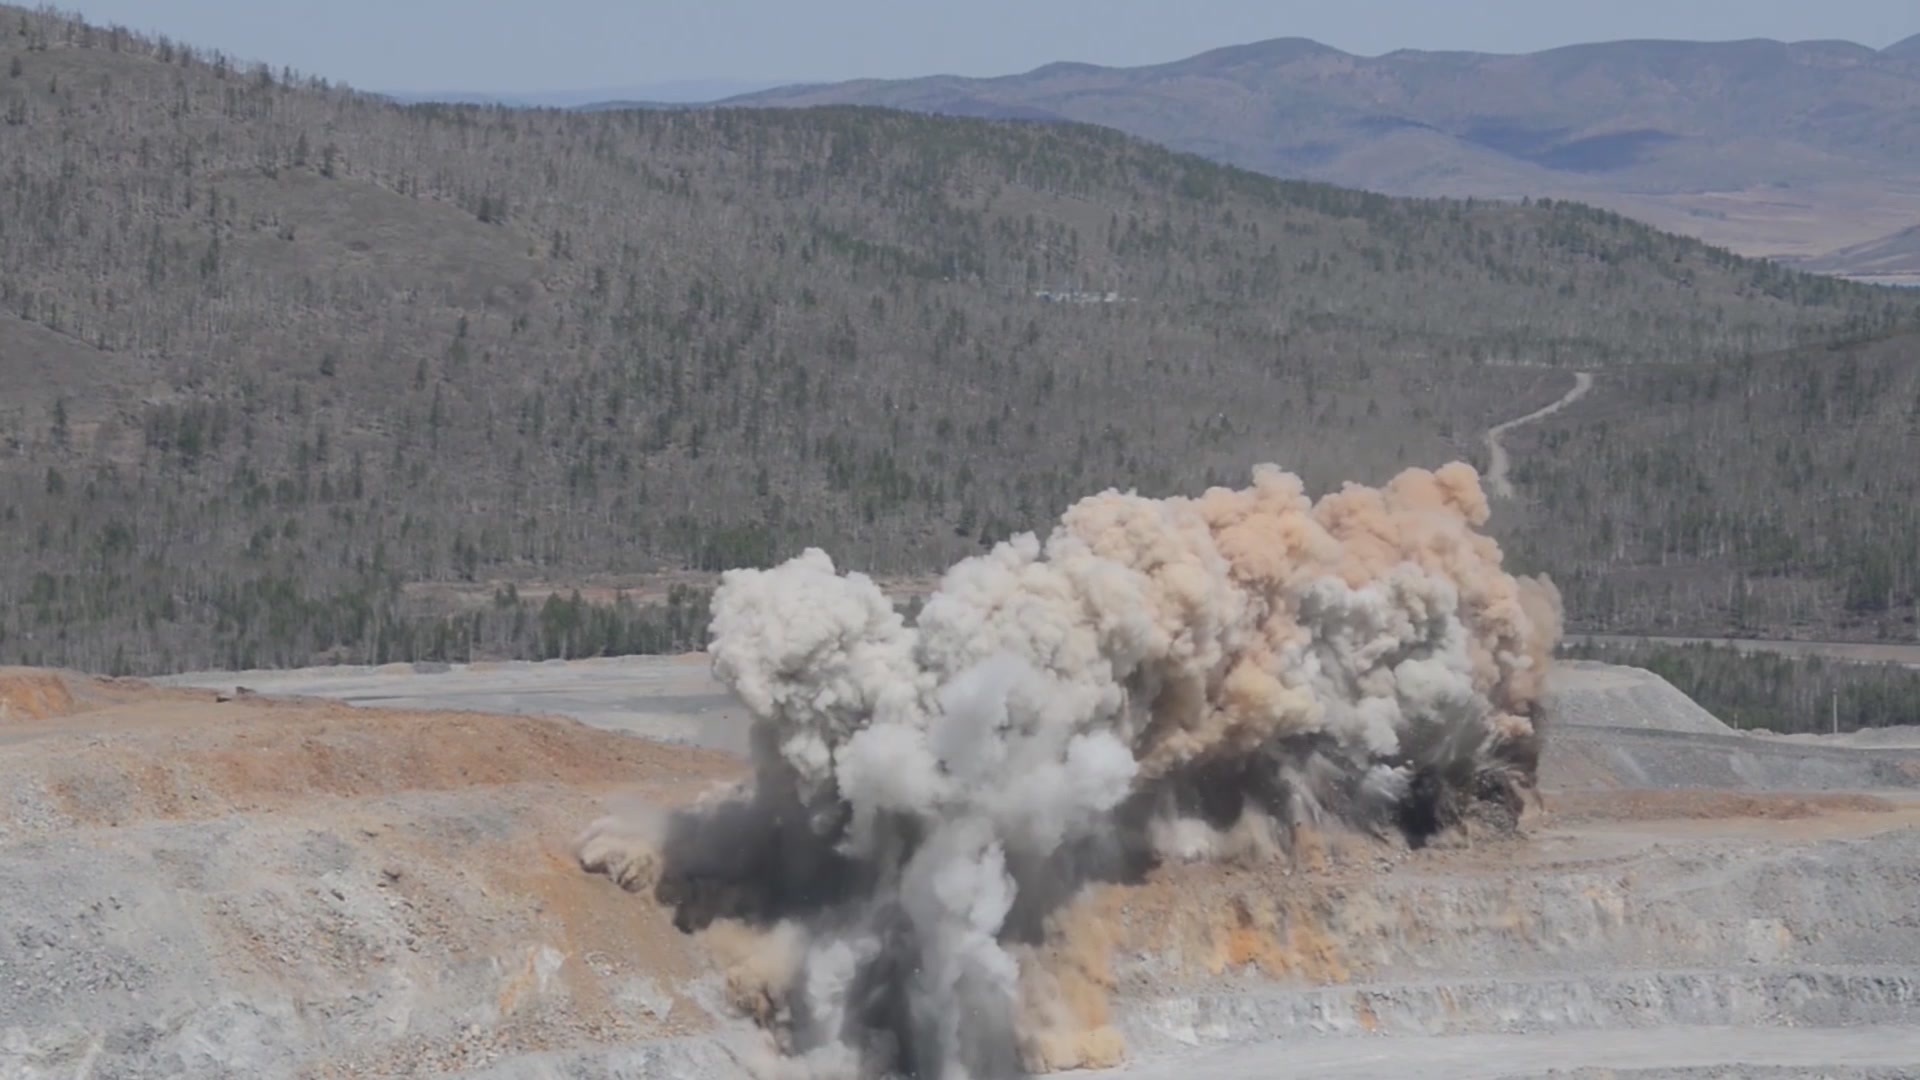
[1159, 677]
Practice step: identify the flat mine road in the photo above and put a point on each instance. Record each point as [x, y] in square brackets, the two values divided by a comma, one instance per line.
[666, 699]
[368, 872]
[1665, 1052]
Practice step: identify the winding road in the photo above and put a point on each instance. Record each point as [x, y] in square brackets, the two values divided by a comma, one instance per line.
[1497, 464]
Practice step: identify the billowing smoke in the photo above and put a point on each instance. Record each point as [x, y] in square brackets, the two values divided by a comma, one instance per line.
[1159, 679]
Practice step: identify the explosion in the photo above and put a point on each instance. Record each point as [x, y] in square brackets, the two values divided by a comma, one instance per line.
[1158, 679]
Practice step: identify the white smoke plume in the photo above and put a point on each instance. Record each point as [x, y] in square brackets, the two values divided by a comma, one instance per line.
[1159, 678]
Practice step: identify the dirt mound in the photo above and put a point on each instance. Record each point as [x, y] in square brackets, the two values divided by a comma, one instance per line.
[1590, 694]
[33, 695]
[1625, 729]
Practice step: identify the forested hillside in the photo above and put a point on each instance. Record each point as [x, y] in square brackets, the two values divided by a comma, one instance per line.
[288, 367]
[1777, 493]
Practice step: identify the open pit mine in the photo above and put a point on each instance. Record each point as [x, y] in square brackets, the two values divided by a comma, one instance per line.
[1242, 784]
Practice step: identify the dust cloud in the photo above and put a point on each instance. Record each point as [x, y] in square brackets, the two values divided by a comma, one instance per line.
[1157, 679]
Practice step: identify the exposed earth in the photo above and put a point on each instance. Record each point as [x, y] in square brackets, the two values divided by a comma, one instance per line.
[277, 884]
[1499, 464]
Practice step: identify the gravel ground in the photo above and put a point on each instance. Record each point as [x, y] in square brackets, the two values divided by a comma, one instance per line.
[1674, 1052]
[667, 699]
[300, 888]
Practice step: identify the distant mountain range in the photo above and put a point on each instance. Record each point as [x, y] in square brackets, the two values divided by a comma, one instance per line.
[1804, 152]
[675, 92]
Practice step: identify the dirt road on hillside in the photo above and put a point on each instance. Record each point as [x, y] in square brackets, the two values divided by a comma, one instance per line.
[1498, 465]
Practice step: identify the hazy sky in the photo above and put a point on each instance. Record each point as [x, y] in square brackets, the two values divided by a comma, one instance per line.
[523, 45]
